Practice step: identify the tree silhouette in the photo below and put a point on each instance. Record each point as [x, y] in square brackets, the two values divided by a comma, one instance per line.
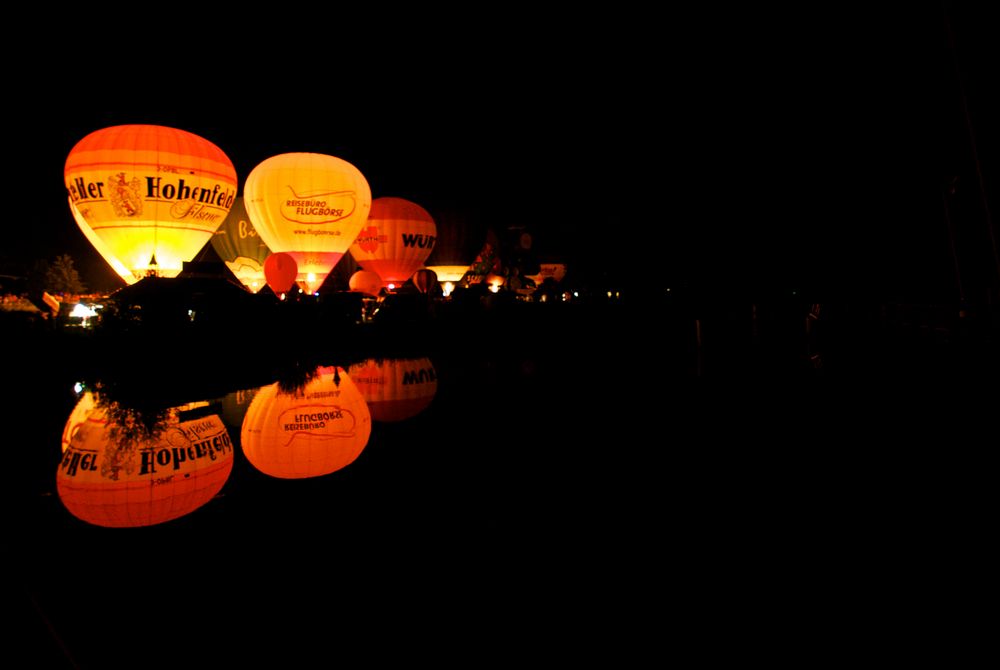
[62, 277]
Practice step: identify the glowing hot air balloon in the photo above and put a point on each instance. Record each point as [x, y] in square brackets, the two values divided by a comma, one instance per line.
[320, 428]
[240, 247]
[425, 280]
[280, 270]
[108, 476]
[310, 206]
[397, 239]
[101, 247]
[554, 270]
[154, 195]
[365, 281]
[395, 389]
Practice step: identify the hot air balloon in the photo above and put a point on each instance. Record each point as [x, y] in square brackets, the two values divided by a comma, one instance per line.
[154, 195]
[101, 247]
[110, 477]
[397, 239]
[320, 428]
[554, 270]
[425, 280]
[235, 405]
[365, 281]
[241, 248]
[397, 388]
[280, 270]
[487, 261]
[452, 273]
[311, 206]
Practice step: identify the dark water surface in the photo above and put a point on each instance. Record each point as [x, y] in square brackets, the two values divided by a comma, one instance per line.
[589, 487]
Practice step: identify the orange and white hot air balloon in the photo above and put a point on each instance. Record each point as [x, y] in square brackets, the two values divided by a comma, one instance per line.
[396, 240]
[395, 389]
[154, 195]
[310, 206]
[320, 428]
[365, 281]
[108, 476]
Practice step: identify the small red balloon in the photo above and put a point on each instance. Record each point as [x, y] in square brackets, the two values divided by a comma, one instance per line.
[280, 270]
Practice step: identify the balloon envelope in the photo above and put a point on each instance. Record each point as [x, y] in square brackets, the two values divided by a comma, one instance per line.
[395, 389]
[107, 479]
[554, 270]
[103, 249]
[320, 428]
[241, 248]
[425, 280]
[396, 240]
[154, 195]
[280, 270]
[311, 206]
[365, 281]
[451, 273]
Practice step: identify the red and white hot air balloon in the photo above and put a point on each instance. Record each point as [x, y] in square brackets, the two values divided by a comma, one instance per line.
[396, 240]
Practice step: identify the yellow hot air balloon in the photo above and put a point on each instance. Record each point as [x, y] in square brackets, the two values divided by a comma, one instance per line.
[109, 477]
[395, 389]
[310, 206]
[154, 195]
[397, 239]
[320, 428]
[101, 247]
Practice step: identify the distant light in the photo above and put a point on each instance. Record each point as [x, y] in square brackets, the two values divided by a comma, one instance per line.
[609, 294]
[190, 315]
[618, 294]
[391, 287]
[576, 294]
[78, 388]
[82, 311]
[316, 294]
[668, 289]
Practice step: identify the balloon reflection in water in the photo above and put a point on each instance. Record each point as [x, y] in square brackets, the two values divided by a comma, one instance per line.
[235, 405]
[395, 389]
[314, 430]
[118, 472]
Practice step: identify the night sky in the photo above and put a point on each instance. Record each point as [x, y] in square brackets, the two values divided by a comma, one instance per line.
[730, 151]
